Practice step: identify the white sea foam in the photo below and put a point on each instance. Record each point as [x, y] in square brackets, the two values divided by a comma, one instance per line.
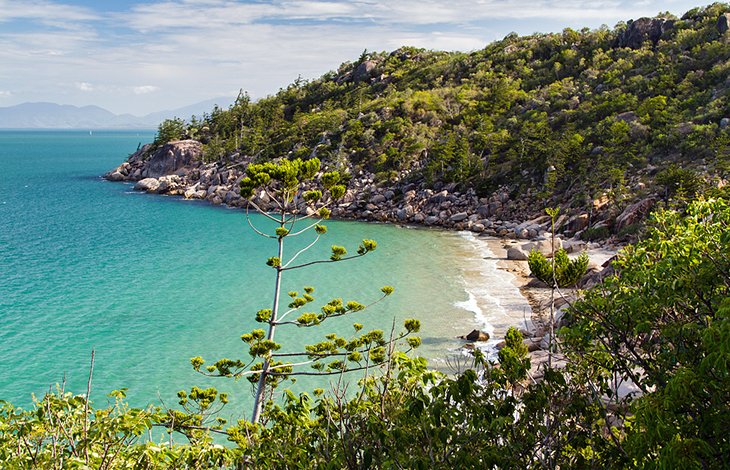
[494, 300]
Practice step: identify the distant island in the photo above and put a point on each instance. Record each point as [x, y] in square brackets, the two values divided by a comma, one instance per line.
[44, 115]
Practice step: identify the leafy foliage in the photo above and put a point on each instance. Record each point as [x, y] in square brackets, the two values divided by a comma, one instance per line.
[289, 183]
[561, 271]
[659, 327]
[646, 382]
[170, 129]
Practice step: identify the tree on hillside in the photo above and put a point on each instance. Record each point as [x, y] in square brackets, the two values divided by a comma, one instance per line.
[168, 130]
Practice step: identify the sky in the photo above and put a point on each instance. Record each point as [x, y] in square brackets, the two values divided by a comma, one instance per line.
[139, 57]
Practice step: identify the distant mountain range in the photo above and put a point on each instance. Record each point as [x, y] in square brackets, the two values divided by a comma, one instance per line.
[57, 116]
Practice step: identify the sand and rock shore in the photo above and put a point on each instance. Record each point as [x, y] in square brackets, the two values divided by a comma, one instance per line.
[538, 295]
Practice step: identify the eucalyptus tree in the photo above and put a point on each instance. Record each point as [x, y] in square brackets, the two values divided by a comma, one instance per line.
[301, 195]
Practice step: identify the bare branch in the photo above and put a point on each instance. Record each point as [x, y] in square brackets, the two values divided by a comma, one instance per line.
[309, 227]
[248, 219]
[261, 211]
[86, 407]
[323, 261]
[302, 251]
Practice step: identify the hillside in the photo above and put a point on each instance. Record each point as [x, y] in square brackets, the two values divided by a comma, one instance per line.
[590, 120]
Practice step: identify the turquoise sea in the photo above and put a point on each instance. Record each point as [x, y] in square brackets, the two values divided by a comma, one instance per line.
[150, 281]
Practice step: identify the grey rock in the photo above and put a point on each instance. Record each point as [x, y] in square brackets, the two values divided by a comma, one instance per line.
[644, 29]
[543, 246]
[545, 342]
[634, 213]
[378, 199]
[577, 223]
[723, 23]
[597, 150]
[628, 116]
[574, 246]
[516, 253]
[458, 217]
[364, 71]
[532, 345]
[115, 176]
[231, 197]
[147, 184]
[173, 156]
[685, 128]
[476, 335]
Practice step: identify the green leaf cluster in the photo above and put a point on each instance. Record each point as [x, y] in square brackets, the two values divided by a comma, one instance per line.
[561, 271]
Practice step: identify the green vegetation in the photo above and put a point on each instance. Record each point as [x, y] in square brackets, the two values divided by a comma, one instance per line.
[561, 271]
[645, 384]
[661, 326]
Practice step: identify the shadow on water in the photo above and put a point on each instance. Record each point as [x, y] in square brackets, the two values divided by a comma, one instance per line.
[438, 341]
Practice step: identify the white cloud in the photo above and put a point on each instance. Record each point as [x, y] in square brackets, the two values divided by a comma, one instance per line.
[84, 86]
[168, 15]
[192, 50]
[145, 89]
[48, 12]
[5, 93]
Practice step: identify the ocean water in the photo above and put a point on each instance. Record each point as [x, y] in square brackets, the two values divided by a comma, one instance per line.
[149, 281]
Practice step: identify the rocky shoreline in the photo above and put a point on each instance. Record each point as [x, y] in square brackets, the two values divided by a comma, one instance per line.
[176, 169]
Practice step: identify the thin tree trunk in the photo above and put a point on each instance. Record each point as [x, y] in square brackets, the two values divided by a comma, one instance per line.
[260, 389]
